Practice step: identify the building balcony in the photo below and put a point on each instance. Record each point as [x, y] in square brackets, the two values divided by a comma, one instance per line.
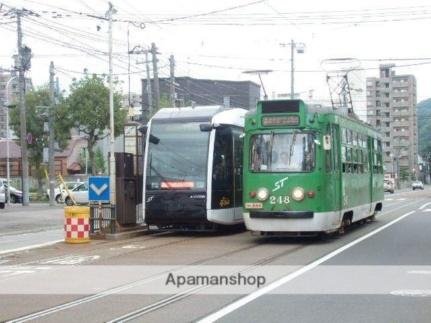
[404, 113]
[400, 124]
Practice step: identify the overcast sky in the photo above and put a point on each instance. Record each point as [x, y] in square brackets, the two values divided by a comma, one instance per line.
[224, 44]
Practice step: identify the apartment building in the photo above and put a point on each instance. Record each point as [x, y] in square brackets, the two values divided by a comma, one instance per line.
[391, 108]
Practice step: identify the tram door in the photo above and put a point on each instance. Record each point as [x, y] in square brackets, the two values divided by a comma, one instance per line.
[223, 197]
[238, 167]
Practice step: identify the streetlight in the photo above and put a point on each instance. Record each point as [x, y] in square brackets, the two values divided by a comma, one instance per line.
[259, 72]
[300, 49]
[7, 139]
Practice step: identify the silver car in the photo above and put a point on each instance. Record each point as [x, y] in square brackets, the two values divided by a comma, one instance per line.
[60, 190]
[2, 195]
[79, 194]
[417, 185]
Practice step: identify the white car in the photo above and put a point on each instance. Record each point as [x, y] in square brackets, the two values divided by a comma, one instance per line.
[417, 185]
[60, 190]
[79, 194]
[389, 186]
[2, 195]
[15, 194]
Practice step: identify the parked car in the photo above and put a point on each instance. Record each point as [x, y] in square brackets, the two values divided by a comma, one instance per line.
[60, 190]
[417, 185]
[2, 195]
[79, 194]
[389, 186]
[15, 194]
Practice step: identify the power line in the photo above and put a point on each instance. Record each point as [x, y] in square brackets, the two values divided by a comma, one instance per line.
[209, 12]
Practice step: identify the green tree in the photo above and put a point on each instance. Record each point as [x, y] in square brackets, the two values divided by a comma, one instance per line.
[89, 106]
[37, 110]
[100, 162]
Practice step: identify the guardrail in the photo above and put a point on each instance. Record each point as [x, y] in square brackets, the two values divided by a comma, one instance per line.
[103, 218]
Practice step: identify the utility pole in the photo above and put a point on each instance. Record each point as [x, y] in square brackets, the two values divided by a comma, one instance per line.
[22, 115]
[51, 159]
[149, 90]
[155, 77]
[139, 50]
[110, 12]
[300, 50]
[8, 137]
[292, 70]
[172, 85]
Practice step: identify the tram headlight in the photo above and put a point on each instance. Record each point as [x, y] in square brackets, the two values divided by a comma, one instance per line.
[262, 194]
[298, 194]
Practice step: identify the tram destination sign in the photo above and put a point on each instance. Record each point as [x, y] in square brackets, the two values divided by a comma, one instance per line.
[280, 121]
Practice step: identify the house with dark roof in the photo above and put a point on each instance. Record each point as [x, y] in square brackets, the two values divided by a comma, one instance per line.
[66, 161]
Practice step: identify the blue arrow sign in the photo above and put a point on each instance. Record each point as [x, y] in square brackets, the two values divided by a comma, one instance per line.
[98, 189]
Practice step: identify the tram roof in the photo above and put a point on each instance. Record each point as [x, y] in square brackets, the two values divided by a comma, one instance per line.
[215, 114]
[197, 112]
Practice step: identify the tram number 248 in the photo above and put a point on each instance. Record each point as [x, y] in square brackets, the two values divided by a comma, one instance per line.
[279, 199]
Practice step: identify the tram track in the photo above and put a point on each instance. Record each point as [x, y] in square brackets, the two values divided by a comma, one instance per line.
[192, 291]
[119, 289]
[136, 314]
[174, 298]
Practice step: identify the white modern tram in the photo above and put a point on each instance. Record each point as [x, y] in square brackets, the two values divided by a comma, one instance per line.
[193, 168]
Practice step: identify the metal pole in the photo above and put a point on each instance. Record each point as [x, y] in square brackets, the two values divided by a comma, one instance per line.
[51, 152]
[8, 138]
[265, 95]
[292, 69]
[149, 90]
[128, 65]
[22, 117]
[7, 156]
[155, 77]
[111, 113]
[86, 162]
[172, 74]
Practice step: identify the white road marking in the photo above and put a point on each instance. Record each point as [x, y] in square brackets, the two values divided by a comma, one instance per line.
[130, 246]
[45, 244]
[424, 206]
[251, 297]
[426, 210]
[412, 292]
[99, 190]
[68, 260]
[420, 272]
[389, 199]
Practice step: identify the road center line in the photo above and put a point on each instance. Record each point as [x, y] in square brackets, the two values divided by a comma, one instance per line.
[424, 206]
[251, 297]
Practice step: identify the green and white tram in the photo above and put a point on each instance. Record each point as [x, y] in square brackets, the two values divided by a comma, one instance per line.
[309, 170]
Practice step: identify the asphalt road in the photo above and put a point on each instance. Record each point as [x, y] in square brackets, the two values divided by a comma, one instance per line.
[377, 272]
[22, 228]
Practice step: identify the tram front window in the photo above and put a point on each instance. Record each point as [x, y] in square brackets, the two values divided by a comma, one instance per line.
[282, 152]
[179, 159]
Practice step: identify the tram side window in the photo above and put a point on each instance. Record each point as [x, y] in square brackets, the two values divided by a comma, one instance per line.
[365, 156]
[329, 166]
[223, 163]
[335, 145]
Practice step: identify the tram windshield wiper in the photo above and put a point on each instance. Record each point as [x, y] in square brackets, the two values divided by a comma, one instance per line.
[271, 143]
[292, 146]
